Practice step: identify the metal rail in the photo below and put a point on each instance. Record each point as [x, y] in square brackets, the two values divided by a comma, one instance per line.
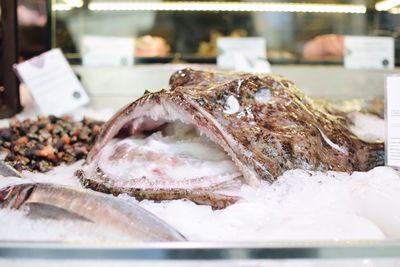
[200, 251]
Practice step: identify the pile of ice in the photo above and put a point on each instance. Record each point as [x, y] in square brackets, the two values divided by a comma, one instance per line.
[300, 205]
[367, 126]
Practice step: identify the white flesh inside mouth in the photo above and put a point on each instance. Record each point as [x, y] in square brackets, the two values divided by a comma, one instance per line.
[172, 154]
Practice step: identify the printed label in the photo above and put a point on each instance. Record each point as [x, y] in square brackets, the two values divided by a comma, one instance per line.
[240, 53]
[392, 117]
[362, 52]
[107, 51]
[52, 82]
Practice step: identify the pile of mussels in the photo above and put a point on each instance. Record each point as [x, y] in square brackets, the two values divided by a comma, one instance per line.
[42, 144]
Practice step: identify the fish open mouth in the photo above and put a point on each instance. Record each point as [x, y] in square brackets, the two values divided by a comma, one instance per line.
[160, 153]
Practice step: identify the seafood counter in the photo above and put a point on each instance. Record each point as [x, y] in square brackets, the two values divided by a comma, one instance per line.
[216, 157]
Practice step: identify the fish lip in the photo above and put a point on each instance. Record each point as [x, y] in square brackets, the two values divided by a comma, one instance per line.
[201, 196]
[103, 137]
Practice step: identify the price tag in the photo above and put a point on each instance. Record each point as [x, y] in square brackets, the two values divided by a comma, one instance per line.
[53, 84]
[107, 51]
[232, 51]
[392, 119]
[362, 52]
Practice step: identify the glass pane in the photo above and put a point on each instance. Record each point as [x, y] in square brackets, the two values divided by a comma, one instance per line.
[161, 32]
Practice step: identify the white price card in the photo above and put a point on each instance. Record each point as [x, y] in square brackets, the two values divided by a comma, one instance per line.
[231, 51]
[392, 119]
[107, 51]
[364, 52]
[52, 82]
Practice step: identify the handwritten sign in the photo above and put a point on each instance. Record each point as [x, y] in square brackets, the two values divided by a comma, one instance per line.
[52, 82]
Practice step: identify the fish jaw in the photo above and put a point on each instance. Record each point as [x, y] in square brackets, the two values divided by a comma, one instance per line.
[155, 109]
[200, 196]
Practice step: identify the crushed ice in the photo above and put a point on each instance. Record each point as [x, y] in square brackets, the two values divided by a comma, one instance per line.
[301, 205]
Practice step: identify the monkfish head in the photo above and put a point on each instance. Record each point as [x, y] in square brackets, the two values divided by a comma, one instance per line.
[210, 132]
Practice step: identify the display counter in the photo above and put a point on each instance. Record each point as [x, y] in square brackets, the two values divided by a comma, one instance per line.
[112, 87]
[223, 169]
[116, 86]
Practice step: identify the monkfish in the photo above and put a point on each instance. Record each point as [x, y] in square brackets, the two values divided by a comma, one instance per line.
[210, 132]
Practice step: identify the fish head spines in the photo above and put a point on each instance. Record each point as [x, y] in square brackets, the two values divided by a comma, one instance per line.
[180, 77]
[146, 92]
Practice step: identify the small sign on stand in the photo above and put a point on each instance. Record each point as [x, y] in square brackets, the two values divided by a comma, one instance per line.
[107, 51]
[392, 119]
[52, 82]
[364, 52]
[243, 54]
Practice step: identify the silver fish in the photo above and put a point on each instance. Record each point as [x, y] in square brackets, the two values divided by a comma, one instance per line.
[50, 201]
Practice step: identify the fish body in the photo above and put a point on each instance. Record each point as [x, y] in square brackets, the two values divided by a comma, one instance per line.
[264, 123]
[50, 201]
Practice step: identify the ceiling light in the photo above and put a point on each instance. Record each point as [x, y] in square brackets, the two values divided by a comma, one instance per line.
[74, 3]
[61, 7]
[226, 6]
[386, 5]
[395, 10]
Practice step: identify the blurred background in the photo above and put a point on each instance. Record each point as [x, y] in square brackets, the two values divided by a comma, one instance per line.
[188, 30]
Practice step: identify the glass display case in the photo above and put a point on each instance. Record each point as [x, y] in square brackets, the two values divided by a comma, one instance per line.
[301, 39]
[172, 30]
[304, 41]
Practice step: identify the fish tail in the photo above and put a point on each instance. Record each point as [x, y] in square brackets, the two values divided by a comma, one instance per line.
[14, 196]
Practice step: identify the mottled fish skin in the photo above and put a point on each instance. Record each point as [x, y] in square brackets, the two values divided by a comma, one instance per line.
[61, 202]
[264, 122]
